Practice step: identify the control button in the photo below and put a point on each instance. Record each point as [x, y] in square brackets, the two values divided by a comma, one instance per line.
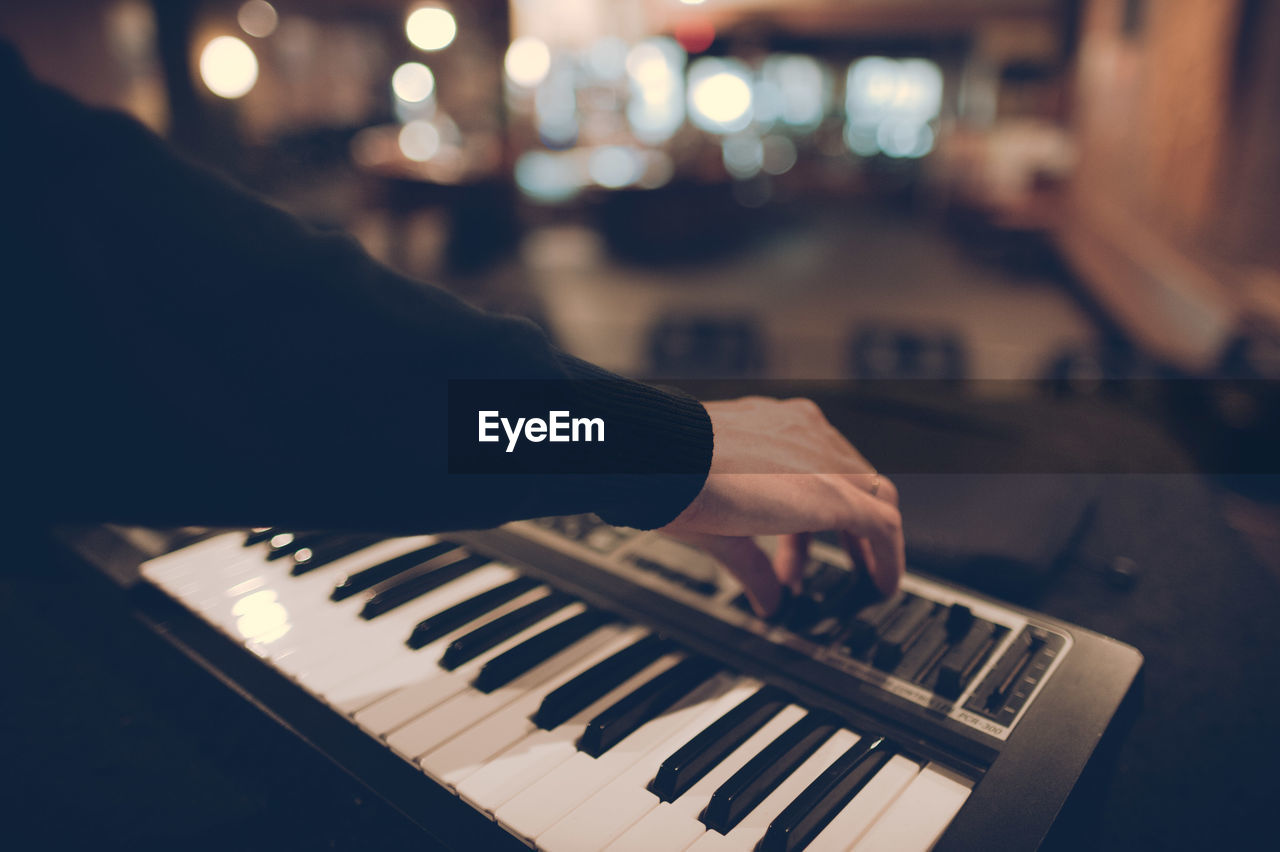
[866, 625]
[963, 659]
[902, 633]
[959, 620]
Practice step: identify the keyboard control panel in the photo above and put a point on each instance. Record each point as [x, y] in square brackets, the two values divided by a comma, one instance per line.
[952, 653]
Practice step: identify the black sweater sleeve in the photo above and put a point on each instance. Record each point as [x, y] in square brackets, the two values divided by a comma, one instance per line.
[179, 351]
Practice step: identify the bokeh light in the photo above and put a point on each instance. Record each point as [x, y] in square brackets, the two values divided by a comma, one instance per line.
[430, 28]
[615, 166]
[904, 138]
[258, 18]
[720, 97]
[528, 61]
[743, 155]
[804, 89]
[228, 67]
[655, 110]
[607, 58]
[419, 141]
[556, 106]
[413, 82]
[779, 154]
[695, 34]
[890, 104]
[546, 177]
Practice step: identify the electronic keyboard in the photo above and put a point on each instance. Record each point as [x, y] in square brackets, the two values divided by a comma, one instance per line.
[586, 687]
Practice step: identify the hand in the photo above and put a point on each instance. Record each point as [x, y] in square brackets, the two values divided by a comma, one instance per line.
[779, 468]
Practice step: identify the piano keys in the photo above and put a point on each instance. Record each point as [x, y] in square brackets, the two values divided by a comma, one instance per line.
[576, 724]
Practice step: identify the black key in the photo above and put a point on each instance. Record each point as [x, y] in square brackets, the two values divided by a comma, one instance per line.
[419, 584]
[284, 544]
[963, 659]
[512, 663]
[309, 558]
[383, 571]
[448, 620]
[645, 703]
[257, 535]
[812, 810]
[695, 758]
[902, 633]
[763, 773]
[573, 696]
[501, 629]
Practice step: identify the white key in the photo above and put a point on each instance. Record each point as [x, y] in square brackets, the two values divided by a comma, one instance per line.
[385, 716]
[340, 645]
[531, 758]
[746, 834]
[311, 590]
[440, 724]
[455, 761]
[258, 603]
[675, 825]
[197, 571]
[175, 566]
[544, 803]
[917, 818]
[865, 808]
[385, 642]
[303, 602]
[622, 802]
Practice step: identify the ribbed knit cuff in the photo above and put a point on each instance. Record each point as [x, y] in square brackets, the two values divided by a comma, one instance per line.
[668, 427]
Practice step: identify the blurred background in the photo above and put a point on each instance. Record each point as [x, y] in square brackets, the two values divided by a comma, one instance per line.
[1076, 194]
[1079, 195]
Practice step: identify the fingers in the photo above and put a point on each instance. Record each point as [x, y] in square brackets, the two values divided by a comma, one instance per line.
[873, 537]
[887, 561]
[864, 558]
[747, 562]
[789, 560]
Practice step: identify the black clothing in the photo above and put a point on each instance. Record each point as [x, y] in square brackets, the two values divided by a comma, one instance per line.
[178, 351]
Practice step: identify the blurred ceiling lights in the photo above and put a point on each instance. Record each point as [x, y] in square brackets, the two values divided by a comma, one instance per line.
[720, 97]
[430, 28]
[655, 109]
[527, 62]
[258, 18]
[228, 67]
[890, 105]
[413, 82]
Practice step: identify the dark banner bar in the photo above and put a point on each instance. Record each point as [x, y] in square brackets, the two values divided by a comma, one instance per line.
[916, 426]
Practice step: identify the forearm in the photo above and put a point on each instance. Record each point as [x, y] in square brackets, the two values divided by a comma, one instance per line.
[205, 358]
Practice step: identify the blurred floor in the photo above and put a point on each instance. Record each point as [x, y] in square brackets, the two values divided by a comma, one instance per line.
[808, 289]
